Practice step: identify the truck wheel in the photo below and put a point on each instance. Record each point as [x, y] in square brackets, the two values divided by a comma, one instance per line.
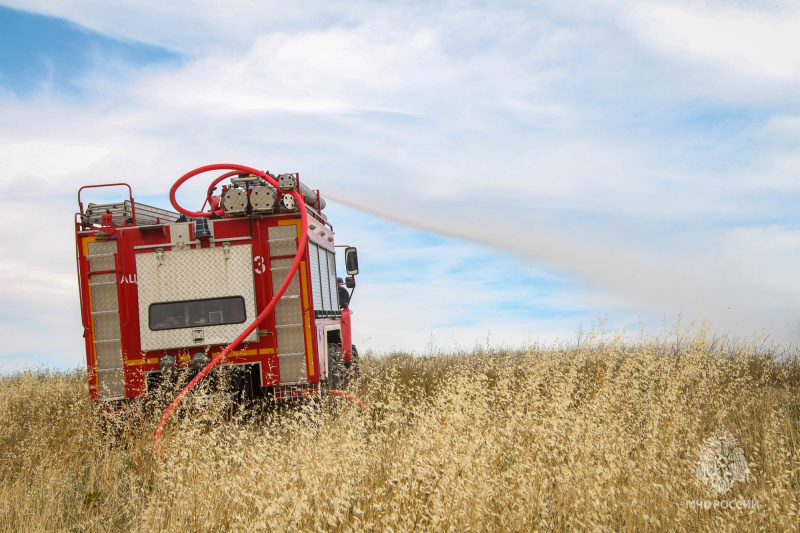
[336, 371]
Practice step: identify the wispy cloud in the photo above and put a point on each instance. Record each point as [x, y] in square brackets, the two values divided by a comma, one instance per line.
[47, 160]
[750, 42]
[645, 154]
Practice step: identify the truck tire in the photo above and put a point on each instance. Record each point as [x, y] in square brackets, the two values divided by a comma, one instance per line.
[341, 374]
[337, 373]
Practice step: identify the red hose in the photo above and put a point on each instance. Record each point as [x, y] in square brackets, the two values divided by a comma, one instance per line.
[348, 397]
[216, 181]
[193, 173]
[209, 200]
[301, 244]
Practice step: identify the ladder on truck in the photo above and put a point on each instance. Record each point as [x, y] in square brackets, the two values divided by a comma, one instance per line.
[123, 212]
[106, 332]
[289, 328]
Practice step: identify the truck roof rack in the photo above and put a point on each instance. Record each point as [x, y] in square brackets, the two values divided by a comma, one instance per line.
[122, 211]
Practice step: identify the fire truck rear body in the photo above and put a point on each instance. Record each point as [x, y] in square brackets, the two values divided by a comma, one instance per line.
[156, 288]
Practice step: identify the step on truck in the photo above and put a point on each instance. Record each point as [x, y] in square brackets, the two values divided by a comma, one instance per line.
[164, 293]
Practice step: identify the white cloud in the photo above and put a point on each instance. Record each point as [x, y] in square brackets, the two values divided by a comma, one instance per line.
[45, 159]
[332, 71]
[41, 314]
[754, 41]
[549, 136]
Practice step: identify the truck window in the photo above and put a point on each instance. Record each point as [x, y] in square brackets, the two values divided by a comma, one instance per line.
[191, 313]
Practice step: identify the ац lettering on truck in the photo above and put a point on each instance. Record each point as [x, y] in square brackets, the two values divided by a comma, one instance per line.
[163, 293]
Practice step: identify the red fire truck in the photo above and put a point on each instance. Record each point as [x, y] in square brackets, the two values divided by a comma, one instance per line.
[249, 282]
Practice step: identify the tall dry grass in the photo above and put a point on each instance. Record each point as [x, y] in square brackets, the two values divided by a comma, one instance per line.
[601, 436]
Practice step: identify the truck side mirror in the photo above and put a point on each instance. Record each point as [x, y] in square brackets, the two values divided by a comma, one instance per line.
[351, 260]
[350, 282]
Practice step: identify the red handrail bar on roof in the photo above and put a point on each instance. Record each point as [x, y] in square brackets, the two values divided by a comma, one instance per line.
[130, 195]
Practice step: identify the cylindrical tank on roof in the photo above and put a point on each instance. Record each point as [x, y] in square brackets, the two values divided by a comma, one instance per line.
[311, 197]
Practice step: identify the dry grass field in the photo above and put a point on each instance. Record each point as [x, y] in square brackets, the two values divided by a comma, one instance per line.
[604, 436]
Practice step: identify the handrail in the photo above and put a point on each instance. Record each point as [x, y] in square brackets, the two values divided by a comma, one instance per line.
[130, 195]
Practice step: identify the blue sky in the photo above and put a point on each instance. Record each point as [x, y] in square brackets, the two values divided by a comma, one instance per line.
[40, 54]
[515, 168]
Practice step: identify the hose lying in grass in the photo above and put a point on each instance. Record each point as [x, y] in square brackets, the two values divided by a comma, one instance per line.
[348, 397]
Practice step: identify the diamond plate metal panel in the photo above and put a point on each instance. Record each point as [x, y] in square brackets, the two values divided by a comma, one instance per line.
[195, 274]
[104, 297]
[291, 340]
[283, 232]
[288, 311]
[282, 240]
[101, 248]
[279, 268]
[106, 326]
[111, 383]
[263, 198]
[293, 369]
[109, 355]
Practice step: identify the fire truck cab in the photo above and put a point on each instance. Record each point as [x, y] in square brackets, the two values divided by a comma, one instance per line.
[161, 291]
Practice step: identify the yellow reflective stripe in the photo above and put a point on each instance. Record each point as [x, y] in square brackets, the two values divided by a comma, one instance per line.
[135, 362]
[85, 247]
[306, 318]
[238, 353]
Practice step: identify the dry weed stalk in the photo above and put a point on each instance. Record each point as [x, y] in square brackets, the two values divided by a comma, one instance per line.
[599, 436]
